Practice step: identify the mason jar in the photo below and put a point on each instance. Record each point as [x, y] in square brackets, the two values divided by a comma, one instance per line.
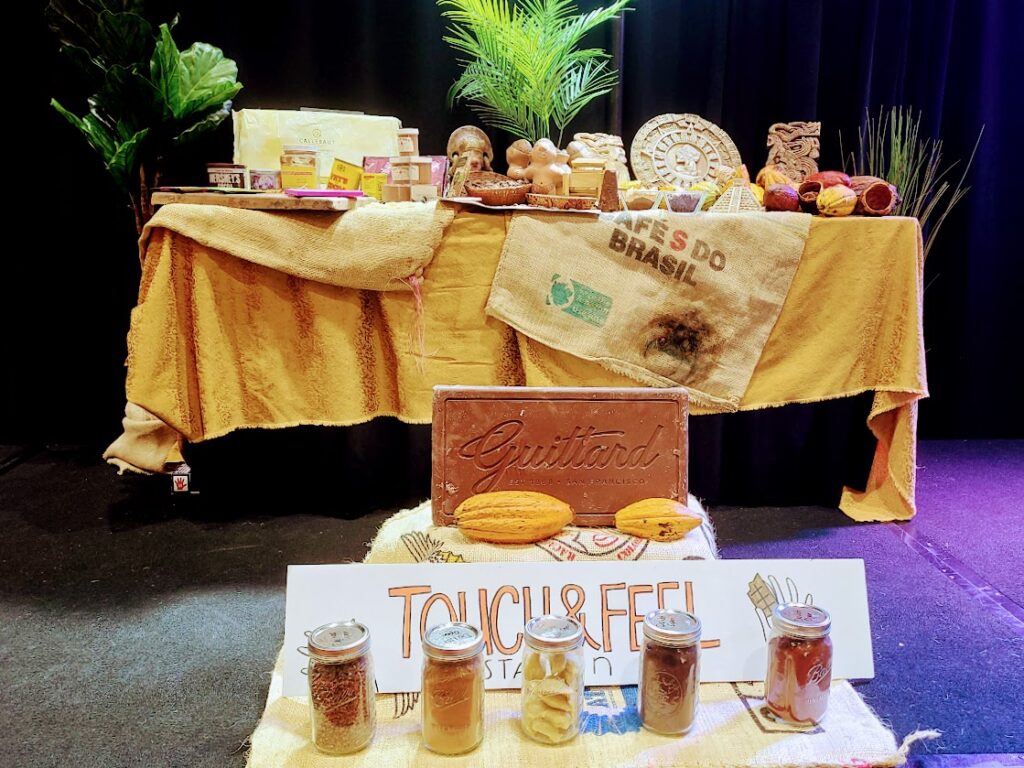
[670, 671]
[799, 675]
[342, 691]
[552, 695]
[452, 698]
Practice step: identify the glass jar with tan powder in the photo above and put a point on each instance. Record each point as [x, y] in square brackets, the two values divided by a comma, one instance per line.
[669, 671]
[341, 687]
[452, 696]
[552, 698]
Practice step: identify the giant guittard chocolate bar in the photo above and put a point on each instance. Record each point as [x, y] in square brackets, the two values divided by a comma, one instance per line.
[598, 449]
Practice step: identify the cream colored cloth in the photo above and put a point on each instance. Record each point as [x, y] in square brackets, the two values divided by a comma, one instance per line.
[145, 445]
[411, 537]
[660, 297]
[374, 247]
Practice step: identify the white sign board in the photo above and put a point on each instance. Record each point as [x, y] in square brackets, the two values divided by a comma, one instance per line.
[733, 599]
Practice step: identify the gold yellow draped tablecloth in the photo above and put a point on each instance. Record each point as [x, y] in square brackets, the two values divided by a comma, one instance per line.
[218, 344]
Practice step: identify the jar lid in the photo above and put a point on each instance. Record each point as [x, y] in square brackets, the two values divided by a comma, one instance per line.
[264, 171]
[339, 640]
[554, 633]
[408, 131]
[291, 148]
[402, 160]
[672, 627]
[419, 159]
[801, 620]
[452, 641]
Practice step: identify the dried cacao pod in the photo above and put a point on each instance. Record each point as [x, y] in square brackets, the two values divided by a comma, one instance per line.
[771, 174]
[809, 192]
[875, 196]
[830, 178]
[657, 519]
[512, 517]
[839, 200]
[781, 197]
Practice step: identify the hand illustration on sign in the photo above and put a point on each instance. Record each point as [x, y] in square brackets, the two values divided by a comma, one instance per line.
[764, 595]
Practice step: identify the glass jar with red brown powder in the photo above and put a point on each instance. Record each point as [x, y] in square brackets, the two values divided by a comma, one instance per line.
[342, 691]
[799, 675]
[669, 671]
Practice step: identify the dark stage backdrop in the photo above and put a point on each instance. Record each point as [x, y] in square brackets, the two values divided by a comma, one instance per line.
[741, 63]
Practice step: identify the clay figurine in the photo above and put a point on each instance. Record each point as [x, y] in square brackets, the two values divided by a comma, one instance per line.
[518, 157]
[548, 170]
[471, 143]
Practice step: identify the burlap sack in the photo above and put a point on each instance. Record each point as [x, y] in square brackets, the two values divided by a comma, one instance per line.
[411, 537]
[661, 297]
[730, 731]
[374, 247]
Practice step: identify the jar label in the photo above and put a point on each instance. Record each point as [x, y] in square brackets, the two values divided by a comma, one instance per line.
[401, 172]
[406, 144]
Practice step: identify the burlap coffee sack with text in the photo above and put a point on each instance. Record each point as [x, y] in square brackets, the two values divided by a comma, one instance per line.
[661, 297]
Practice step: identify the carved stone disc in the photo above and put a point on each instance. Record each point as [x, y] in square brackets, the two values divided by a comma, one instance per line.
[680, 150]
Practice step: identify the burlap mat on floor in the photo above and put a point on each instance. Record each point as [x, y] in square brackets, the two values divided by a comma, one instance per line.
[730, 731]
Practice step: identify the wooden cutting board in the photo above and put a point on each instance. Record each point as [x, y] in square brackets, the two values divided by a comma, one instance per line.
[267, 201]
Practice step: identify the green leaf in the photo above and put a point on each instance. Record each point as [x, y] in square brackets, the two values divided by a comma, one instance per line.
[124, 163]
[204, 124]
[192, 81]
[208, 79]
[97, 134]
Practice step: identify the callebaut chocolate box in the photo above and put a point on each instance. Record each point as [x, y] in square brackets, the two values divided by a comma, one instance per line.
[598, 449]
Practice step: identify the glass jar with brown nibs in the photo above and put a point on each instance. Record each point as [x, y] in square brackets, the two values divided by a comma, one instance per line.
[342, 691]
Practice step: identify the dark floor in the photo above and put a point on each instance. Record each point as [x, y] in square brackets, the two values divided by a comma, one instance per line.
[139, 631]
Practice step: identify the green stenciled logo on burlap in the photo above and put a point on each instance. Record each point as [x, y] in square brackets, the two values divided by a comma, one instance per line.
[579, 300]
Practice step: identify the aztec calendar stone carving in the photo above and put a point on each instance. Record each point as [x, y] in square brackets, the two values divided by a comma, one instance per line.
[680, 150]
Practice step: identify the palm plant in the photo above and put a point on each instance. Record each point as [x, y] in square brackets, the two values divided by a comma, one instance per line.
[890, 147]
[523, 70]
[150, 97]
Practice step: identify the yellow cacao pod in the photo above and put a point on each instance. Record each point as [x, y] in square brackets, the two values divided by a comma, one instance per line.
[657, 519]
[712, 192]
[771, 174]
[758, 193]
[838, 200]
[512, 517]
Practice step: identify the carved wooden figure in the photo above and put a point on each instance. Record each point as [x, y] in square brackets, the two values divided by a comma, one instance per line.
[793, 147]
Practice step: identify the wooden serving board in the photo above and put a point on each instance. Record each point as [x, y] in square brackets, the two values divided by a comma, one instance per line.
[267, 201]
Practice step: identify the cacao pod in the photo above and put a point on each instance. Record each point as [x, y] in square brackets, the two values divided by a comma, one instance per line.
[711, 192]
[781, 197]
[758, 193]
[512, 517]
[838, 200]
[830, 178]
[657, 519]
[875, 196]
[771, 174]
[809, 192]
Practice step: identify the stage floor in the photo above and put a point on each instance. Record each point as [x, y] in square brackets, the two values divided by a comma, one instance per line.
[141, 630]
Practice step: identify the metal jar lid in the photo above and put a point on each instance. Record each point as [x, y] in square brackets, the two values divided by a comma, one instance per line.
[452, 641]
[801, 620]
[668, 627]
[553, 633]
[339, 640]
[291, 149]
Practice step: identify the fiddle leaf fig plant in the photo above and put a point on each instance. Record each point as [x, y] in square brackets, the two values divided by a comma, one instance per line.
[149, 96]
[523, 68]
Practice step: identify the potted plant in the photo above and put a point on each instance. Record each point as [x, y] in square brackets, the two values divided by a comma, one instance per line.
[523, 70]
[150, 97]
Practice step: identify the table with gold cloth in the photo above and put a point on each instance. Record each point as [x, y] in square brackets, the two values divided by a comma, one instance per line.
[218, 343]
